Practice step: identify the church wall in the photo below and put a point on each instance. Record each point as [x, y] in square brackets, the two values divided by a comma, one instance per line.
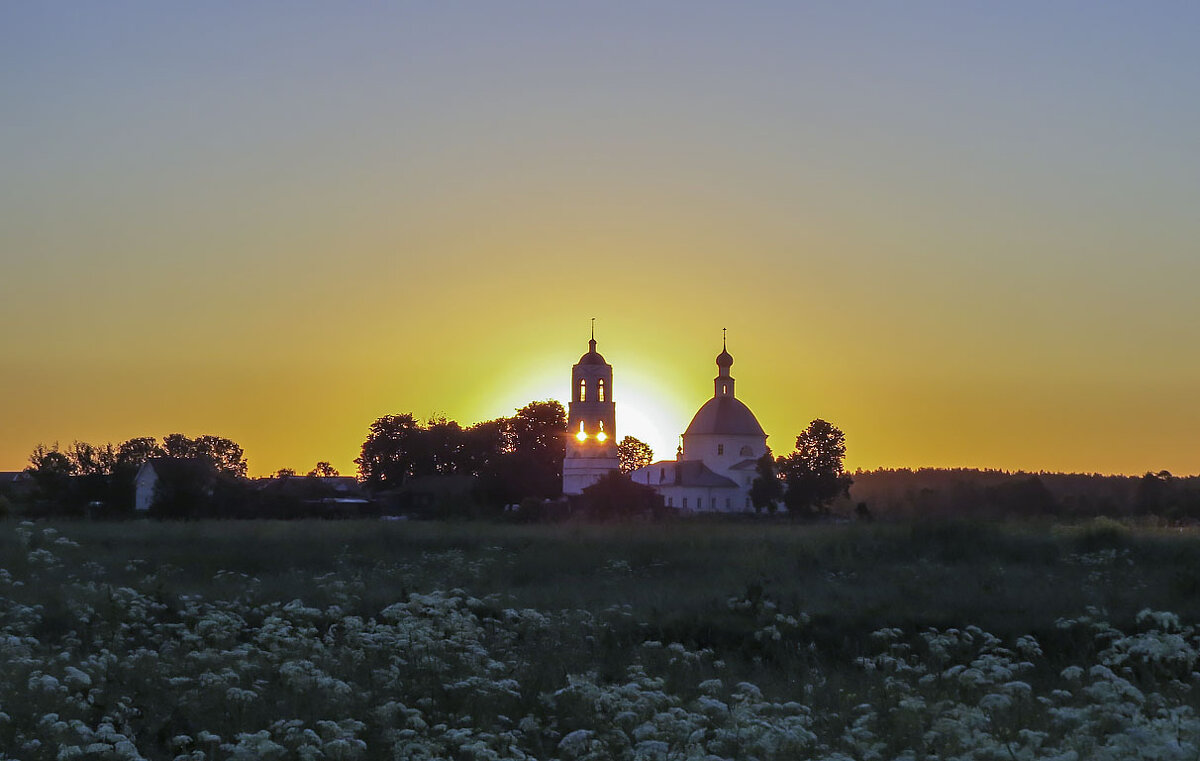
[706, 446]
[706, 500]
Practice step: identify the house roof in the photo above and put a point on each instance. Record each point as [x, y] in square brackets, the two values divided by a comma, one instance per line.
[749, 464]
[310, 485]
[14, 476]
[696, 473]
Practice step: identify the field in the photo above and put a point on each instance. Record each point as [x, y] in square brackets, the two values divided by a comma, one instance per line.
[392, 640]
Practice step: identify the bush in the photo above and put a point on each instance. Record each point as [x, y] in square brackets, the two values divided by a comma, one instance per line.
[1103, 534]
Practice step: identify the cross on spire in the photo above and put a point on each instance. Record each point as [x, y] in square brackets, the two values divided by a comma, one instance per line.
[593, 327]
[723, 340]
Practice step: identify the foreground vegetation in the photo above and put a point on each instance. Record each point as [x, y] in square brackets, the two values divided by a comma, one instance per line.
[231, 640]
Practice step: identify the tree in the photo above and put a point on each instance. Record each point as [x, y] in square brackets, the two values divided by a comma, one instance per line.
[323, 470]
[615, 497]
[766, 489]
[537, 435]
[1027, 498]
[1154, 492]
[135, 452]
[90, 460]
[284, 473]
[223, 453]
[539, 429]
[814, 474]
[390, 453]
[633, 454]
[51, 471]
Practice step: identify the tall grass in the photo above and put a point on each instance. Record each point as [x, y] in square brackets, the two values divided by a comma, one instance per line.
[746, 640]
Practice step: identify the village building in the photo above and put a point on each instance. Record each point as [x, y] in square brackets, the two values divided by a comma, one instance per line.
[163, 473]
[714, 466]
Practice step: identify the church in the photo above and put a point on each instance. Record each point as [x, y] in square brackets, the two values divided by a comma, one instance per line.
[714, 466]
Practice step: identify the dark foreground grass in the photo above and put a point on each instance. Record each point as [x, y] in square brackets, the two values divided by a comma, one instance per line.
[174, 634]
[678, 578]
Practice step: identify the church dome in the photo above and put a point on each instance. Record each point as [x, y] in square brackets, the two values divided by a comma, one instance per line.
[726, 416]
[593, 357]
[724, 359]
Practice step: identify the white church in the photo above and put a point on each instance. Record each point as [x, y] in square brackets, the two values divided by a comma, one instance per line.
[712, 470]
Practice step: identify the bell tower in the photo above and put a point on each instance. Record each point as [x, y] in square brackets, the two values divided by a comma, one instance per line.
[591, 422]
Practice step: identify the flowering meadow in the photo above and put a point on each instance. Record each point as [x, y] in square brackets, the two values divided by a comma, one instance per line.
[376, 641]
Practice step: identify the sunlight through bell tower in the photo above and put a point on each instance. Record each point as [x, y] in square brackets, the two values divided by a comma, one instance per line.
[591, 422]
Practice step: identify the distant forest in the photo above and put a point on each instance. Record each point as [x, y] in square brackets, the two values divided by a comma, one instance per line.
[972, 493]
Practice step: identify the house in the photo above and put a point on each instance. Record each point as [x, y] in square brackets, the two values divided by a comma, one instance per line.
[317, 496]
[196, 476]
[15, 484]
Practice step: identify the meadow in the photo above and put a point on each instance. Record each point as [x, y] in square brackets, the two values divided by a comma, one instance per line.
[687, 639]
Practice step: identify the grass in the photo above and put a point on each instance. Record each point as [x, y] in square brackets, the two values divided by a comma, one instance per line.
[678, 577]
[173, 621]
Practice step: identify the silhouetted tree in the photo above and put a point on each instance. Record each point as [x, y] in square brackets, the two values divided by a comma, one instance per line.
[391, 452]
[51, 471]
[1024, 498]
[223, 453]
[323, 470]
[633, 453]
[91, 460]
[1154, 493]
[135, 452]
[284, 473]
[615, 497]
[814, 474]
[537, 436]
[512, 457]
[766, 489]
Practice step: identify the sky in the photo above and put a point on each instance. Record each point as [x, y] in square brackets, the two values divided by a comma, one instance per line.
[964, 233]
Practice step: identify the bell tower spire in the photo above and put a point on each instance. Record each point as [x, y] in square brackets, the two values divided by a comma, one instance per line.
[591, 421]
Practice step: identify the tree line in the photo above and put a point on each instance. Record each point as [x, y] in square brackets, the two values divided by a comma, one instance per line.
[404, 461]
[98, 480]
[515, 460]
[901, 493]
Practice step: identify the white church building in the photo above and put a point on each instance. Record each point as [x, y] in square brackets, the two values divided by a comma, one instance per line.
[714, 466]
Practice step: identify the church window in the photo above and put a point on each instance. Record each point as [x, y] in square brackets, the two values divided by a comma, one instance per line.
[685, 503]
[720, 449]
[582, 435]
[713, 503]
[600, 391]
[601, 435]
[583, 391]
[727, 503]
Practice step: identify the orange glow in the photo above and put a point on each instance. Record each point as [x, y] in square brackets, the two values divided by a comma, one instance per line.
[602, 436]
[947, 287]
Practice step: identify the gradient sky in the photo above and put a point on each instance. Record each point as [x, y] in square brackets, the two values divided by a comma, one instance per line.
[968, 234]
